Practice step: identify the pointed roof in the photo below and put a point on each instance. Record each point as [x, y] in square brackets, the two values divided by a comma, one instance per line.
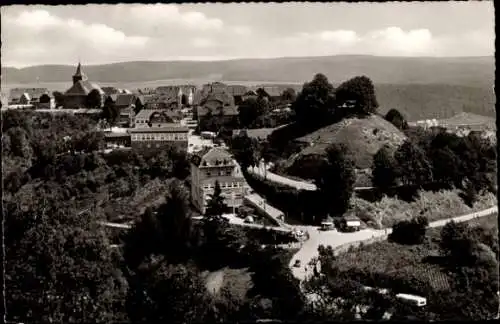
[79, 70]
[83, 88]
[216, 156]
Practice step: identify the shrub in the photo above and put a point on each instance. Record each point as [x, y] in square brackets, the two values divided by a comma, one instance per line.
[410, 232]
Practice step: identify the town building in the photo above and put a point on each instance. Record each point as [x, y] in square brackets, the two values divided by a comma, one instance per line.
[110, 90]
[127, 105]
[216, 164]
[237, 91]
[77, 95]
[182, 95]
[260, 134]
[158, 133]
[26, 96]
[114, 139]
[249, 94]
[218, 108]
[272, 93]
[149, 117]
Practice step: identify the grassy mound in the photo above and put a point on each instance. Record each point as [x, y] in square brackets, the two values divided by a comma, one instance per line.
[363, 136]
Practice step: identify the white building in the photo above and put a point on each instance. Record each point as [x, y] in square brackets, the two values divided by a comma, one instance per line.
[216, 164]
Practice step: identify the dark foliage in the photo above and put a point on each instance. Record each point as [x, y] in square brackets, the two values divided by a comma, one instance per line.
[410, 232]
[357, 95]
[384, 170]
[336, 180]
[315, 103]
[397, 119]
[216, 205]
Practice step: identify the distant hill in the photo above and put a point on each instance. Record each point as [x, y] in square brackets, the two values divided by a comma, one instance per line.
[472, 71]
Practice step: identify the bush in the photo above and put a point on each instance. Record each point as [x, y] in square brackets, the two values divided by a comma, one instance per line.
[410, 232]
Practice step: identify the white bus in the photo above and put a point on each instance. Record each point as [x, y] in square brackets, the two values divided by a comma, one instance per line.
[412, 299]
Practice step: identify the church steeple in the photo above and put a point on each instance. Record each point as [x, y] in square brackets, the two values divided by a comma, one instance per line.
[79, 75]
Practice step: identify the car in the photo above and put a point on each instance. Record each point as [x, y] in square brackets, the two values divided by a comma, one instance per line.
[297, 264]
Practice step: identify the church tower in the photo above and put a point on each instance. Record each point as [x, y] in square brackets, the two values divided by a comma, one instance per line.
[79, 75]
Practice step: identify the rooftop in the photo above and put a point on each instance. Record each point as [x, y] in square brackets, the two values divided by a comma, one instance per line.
[213, 157]
[164, 128]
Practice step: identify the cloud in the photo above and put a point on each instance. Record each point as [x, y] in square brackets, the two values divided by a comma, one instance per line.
[400, 42]
[203, 42]
[38, 33]
[102, 34]
[170, 15]
[388, 41]
[241, 30]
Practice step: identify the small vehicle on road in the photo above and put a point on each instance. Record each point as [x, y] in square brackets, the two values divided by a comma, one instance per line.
[297, 264]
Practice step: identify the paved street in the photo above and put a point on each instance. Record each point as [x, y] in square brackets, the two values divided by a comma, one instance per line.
[336, 239]
[260, 170]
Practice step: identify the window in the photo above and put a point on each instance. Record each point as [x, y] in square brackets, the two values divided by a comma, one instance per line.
[228, 172]
[208, 174]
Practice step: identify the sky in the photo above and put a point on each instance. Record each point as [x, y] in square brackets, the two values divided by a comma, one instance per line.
[99, 34]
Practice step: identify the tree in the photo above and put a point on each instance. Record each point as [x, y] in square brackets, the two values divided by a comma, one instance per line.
[289, 95]
[415, 169]
[138, 106]
[44, 98]
[410, 232]
[62, 269]
[58, 98]
[384, 169]
[336, 179]
[94, 99]
[397, 119]
[272, 279]
[216, 205]
[457, 242]
[244, 151]
[184, 99]
[110, 112]
[175, 219]
[358, 94]
[168, 293]
[19, 143]
[315, 103]
[249, 110]
[444, 167]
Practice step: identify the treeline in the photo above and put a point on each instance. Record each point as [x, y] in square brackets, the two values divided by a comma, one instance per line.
[60, 266]
[440, 158]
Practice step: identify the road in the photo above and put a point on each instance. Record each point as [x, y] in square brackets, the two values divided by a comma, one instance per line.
[299, 185]
[338, 240]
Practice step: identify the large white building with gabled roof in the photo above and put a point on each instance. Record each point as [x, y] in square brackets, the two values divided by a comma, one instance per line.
[216, 164]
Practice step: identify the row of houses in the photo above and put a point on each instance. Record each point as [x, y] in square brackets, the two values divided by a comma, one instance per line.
[162, 97]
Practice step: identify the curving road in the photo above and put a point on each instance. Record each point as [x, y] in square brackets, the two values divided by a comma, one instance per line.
[337, 240]
[264, 172]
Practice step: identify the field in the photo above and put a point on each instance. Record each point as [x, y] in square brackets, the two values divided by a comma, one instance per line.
[237, 281]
